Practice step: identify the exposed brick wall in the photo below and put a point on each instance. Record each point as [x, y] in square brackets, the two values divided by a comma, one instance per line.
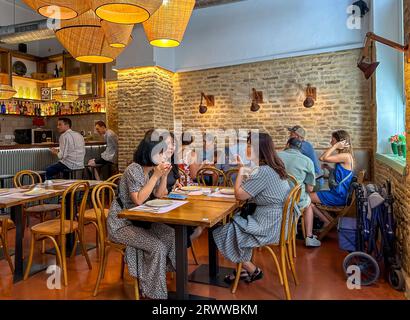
[111, 102]
[342, 101]
[144, 102]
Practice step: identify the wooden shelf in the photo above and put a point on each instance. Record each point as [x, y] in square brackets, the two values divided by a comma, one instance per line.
[51, 80]
[53, 116]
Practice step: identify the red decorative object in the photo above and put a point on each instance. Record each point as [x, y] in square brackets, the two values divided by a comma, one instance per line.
[39, 122]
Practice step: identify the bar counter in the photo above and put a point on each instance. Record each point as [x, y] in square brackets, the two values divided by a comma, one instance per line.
[14, 158]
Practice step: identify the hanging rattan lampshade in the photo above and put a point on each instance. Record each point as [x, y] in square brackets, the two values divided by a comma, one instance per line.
[6, 92]
[65, 96]
[84, 39]
[59, 9]
[117, 35]
[125, 11]
[167, 26]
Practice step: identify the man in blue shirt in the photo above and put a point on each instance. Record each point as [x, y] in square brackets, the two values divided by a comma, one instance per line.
[308, 150]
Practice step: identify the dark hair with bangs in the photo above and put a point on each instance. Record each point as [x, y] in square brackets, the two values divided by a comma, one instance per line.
[142, 155]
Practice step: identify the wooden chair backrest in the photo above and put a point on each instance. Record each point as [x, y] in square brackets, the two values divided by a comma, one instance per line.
[292, 180]
[115, 178]
[98, 199]
[33, 177]
[229, 175]
[183, 177]
[203, 172]
[288, 215]
[69, 198]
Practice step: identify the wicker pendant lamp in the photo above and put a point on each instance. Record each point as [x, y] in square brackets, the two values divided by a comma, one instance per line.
[59, 9]
[167, 26]
[6, 92]
[65, 96]
[117, 35]
[125, 11]
[84, 39]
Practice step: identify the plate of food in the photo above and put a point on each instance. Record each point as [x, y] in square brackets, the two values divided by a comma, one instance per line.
[159, 203]
[228, 191]
[35, 192]
[191, 188]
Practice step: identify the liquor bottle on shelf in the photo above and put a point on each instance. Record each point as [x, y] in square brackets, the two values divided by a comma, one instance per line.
[25, 109]
[88, 107]
[71, 108]
[3, 108]
[9, 107]
[56, 72]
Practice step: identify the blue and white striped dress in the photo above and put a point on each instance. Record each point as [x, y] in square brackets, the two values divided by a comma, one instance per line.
[236, 239]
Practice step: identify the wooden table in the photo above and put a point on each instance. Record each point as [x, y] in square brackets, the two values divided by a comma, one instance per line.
[15, 206]
[195, 213]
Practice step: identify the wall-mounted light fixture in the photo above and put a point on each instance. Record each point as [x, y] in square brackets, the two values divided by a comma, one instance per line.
[310, 97]
[257, 98]
[209, 100]
[365, 62]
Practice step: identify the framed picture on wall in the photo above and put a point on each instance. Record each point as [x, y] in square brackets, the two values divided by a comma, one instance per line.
[46, 93]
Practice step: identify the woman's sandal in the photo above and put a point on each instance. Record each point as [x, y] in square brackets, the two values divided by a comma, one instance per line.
[256, 275]
[230, 278]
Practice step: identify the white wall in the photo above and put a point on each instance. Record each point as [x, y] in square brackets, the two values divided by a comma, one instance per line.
[255, 30]
[388, 23]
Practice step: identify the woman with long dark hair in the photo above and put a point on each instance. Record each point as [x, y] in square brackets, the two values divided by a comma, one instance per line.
[150, 247]
[268, 187]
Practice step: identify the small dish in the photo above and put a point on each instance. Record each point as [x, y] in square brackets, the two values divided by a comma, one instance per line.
[228, 191]
[158, 203]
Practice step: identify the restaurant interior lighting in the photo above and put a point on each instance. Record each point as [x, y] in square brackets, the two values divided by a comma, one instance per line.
[365, 63]
[167, 25]
[209, 100]
[65, 96]
[6, 92]
[310, 97]
[257, 98]
[125, 11]
[117, 35]
[58, 9]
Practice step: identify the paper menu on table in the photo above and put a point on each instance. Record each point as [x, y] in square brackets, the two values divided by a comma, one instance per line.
[159, 210]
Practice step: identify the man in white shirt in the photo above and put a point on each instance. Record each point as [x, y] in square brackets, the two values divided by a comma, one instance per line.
[71, 150]
[110, 155]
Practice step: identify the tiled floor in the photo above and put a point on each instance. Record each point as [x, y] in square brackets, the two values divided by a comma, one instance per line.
[319, 270]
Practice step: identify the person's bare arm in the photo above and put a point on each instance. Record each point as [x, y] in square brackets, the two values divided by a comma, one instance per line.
[329, 156]
[309, 188]
[240, 194]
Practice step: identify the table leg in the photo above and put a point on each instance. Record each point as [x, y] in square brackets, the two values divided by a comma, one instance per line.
[211, 274]
[19, 265]
[181, 262]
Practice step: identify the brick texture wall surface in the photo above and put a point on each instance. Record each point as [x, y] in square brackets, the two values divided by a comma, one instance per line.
[342, 97]
[144, 102]
[111, 102]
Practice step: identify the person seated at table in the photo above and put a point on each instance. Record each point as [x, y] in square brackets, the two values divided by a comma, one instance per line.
[303, 170]
[268, 187]
[307, 149]
[150, 247]
[189, 160]
[110, 156]
[340, 153]
[72, 150]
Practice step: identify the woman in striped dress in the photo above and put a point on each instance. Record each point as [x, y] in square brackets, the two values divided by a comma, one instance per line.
[268, 187]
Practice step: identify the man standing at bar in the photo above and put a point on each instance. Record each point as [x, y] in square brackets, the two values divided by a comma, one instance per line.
[307, 149]
[72, 150]
[110, 156]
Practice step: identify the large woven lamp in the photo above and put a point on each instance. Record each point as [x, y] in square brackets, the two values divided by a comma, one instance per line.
[117, 35]
[59, 9]
[167, 26]
[84, 39]
[6, 92]
[125, 11]
[65, 96]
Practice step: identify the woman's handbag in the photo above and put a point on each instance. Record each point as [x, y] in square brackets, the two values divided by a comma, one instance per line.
[248, 209]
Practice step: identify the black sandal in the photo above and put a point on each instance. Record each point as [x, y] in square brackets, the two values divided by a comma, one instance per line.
[256, 275]
[230, 278]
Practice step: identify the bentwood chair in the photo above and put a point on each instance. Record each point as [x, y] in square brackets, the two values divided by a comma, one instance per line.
[285, 244]
[217, 176]
[106, 245]
[334, 213]
[42, 208]
[5, 225]
[183, 177]
[56, 230]
[89, 214]
[230, 174]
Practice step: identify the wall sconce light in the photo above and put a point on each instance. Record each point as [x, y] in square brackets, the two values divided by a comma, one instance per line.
[209, 100]
[365, 63]
[257, 98]
[310, 97]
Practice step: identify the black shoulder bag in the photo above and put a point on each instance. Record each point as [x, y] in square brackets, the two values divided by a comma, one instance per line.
[248, 209]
